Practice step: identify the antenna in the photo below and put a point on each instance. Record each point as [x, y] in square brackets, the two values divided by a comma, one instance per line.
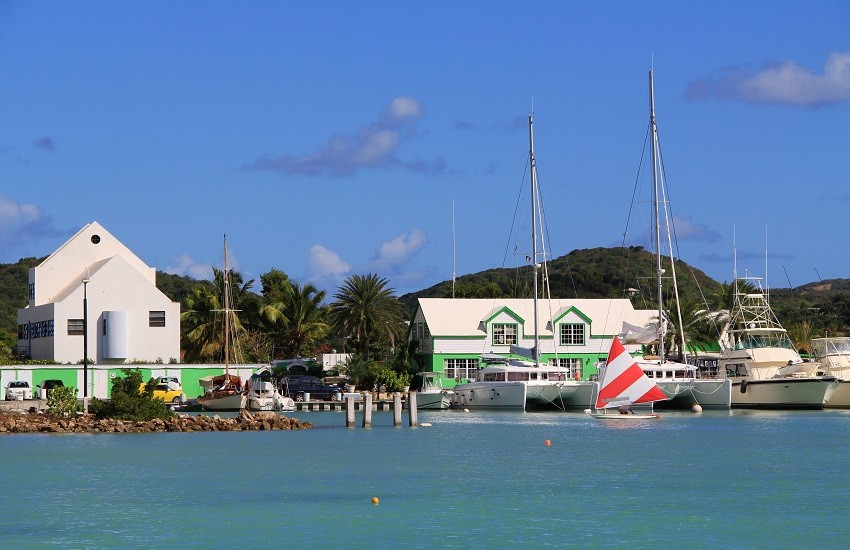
[766, 284]
[734, 251]
[454, 250]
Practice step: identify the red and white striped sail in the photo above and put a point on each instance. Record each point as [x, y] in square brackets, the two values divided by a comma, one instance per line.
[624, 382]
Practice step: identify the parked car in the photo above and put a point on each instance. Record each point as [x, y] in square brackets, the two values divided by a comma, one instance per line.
[48, 385]
[167, 393]
[295, 386]
[18, 390]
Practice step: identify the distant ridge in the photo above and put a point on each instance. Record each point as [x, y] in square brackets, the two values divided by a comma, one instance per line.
[584, 273]
[822, 306]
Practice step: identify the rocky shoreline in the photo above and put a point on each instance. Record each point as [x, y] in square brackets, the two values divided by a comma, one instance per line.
[11, 423]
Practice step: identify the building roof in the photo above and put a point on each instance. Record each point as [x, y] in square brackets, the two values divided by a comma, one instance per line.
[466, 316]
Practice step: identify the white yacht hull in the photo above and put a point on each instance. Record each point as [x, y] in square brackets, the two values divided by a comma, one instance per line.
[707, 393]
[490, 395]
[257, 403]
[570, 394]
[783, 393]
[432, 400]
[233, 402]
[840, 398]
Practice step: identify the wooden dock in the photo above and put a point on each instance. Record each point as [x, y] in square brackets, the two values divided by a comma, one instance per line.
[314, 406]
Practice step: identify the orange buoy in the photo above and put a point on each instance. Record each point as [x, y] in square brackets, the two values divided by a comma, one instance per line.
[548, 442]
[375, 500]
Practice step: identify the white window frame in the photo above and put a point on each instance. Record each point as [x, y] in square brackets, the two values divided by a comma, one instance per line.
[457, 369]
[502, 334]
[569, 334]
[571, 365]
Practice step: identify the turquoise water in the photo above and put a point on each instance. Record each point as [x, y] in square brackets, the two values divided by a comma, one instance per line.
[472, 480]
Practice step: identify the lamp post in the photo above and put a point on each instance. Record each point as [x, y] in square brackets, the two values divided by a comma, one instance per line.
[85, 347]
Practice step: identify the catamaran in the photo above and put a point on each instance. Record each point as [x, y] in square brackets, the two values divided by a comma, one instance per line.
[678, 381]
[545, 386]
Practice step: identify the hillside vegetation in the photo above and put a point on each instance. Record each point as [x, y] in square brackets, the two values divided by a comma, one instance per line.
[808, 311]
[811, 310]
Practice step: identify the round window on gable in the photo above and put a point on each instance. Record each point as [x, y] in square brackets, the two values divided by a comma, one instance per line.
[95, 239]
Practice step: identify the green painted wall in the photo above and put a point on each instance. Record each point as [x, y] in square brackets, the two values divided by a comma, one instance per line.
[436, 363]
[67, 376]
[189, 374]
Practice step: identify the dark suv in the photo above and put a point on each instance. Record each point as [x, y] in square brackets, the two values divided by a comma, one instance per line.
[296, 386]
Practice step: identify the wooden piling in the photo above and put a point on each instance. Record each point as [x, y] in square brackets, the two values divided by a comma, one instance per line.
[349, 411]
[367, 410]
[396, 409]
[412, 413]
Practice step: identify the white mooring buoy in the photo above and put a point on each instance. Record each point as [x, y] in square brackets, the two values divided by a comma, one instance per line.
[697, 408]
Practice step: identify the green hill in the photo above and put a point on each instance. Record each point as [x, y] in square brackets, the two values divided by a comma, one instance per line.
[586, 273]
[813, 309]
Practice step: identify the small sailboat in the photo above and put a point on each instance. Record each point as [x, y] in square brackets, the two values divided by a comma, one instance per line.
[225, 392]
[623, 384]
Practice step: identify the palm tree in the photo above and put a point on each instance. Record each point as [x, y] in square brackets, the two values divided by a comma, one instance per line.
[801, 335]
[305, 324]
[365, 310]
[700, 326]
[202, 320]
[201, 336]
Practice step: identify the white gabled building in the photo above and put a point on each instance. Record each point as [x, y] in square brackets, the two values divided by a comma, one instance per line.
[129, 318]
[573, 334]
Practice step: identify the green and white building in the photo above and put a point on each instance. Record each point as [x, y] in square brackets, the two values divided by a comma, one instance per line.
[574, 334]
[131, 323]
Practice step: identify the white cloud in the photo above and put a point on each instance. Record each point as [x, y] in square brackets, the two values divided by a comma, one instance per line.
[403, 108]
[327, 270]
[373, 146]
[21, 225]
[394, 253]
[15, 213]
[187, 266]
[784, 82]
[324, 265]
[688, 230]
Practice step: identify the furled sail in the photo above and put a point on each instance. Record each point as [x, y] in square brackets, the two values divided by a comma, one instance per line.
[633, 334]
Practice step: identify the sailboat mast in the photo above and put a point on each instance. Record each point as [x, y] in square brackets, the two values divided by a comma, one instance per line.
[226, 316]
[655, 205]
[533, 163]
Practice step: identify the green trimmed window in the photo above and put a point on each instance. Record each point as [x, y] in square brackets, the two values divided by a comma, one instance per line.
[568, 368]
[459, 369]
[504, 334]
[572, 334]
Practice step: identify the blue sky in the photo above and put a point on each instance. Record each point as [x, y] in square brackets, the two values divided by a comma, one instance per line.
[330, 138]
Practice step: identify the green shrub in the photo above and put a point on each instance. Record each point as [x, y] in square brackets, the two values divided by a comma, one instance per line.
[62, 401]
[129, 402]
[392, 380]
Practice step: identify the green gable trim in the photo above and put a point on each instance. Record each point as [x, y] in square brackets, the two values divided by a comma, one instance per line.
[577, 311]
[501, 310]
